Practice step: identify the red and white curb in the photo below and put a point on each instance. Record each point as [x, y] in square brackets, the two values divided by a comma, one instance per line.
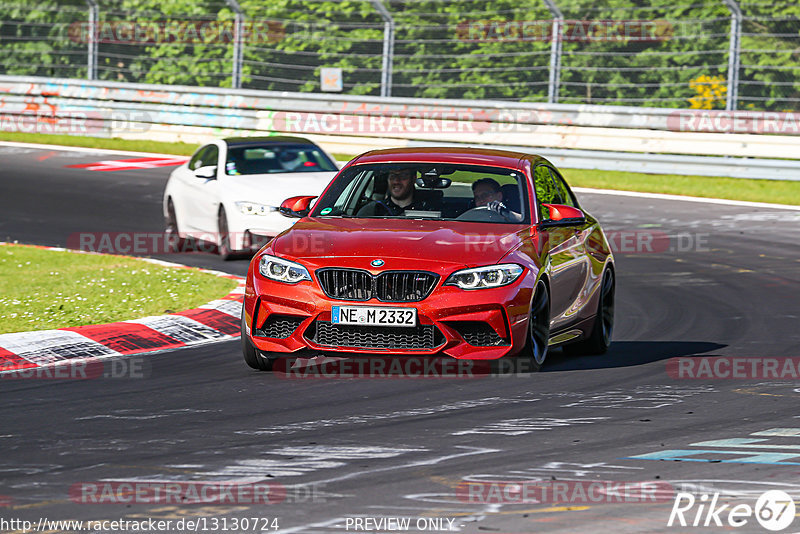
[218, 320]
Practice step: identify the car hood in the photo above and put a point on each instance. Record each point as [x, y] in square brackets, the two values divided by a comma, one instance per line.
[272, 189]
[400, 243]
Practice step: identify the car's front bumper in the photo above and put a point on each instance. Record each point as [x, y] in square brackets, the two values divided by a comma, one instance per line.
[480, 324]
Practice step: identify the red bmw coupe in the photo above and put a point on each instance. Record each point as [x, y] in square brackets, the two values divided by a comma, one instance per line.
[469, 253]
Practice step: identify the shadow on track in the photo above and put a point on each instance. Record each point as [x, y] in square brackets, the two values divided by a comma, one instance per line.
[630, 353]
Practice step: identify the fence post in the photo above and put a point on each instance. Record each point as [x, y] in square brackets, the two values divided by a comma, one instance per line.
[388, 47]
[733, 55]
[238, 53]
[555, 52]
[91, 71]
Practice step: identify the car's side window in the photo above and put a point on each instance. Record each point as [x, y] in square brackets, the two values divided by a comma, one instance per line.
[197, 160]
[546, 192]
[210, 156]
[564, 192]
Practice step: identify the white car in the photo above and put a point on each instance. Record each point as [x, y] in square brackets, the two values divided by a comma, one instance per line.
[230, 190]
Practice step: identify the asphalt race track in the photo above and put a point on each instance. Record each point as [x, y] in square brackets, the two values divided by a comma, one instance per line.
[722, 281]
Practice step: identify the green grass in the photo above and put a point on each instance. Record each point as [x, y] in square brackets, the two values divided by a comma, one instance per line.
[43, 289]
[774, 191]
[181, 149]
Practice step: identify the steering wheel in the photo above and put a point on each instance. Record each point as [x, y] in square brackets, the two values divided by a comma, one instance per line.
[373, 208]
[384, 207]
[481, 214]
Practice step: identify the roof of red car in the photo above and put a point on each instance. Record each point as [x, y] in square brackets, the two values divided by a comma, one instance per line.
[473, 156]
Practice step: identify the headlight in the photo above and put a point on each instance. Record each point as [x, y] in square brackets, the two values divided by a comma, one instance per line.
[485, 277]
[251, 208]
[281, 270]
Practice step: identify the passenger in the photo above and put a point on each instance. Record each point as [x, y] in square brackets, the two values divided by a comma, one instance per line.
[487, 193]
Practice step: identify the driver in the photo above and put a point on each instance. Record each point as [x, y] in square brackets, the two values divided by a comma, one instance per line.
[290, 160]
[401, 195]
[487, 193]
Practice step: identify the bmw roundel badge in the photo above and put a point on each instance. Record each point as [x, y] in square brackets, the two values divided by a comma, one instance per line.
[377, 263]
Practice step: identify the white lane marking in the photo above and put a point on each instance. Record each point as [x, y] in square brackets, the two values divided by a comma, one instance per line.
[64, 148]
[726, 487]
[661, 196]
[762, 216]
[786, 432]
[305, 426]
[290, 462]
[344, 453]
[577, 469]
[305, 459]
[275, 468]
[641, 397]
[470, 451]
[163, 263]
[518, 427]
[744, 443]
[125, 417]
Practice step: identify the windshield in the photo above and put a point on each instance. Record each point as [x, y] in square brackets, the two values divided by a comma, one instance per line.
[444, 192]
[272, 158]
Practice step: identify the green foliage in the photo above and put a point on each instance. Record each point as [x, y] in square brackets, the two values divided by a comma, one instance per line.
[458, 49]
[38, 42]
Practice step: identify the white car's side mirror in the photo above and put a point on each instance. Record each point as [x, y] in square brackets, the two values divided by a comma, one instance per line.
[208, 172]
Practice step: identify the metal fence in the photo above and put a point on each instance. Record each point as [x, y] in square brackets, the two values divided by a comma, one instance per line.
[705, 54]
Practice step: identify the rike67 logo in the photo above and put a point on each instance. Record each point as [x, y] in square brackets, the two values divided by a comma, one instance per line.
[774, 510]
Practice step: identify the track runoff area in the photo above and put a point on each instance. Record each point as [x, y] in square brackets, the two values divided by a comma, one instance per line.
[685, 425]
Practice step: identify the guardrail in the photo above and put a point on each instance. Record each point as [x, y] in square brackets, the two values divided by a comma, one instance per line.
[579, 136]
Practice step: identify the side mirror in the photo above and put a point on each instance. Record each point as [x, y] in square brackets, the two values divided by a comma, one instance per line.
[209, 172]
[561, 215]
[296, 207]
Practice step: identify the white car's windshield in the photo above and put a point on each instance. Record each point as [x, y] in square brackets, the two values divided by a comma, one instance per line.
[274, 158]
[427, 191]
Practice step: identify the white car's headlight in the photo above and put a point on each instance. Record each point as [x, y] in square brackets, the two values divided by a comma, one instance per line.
[485, 277]
[282, 270]
[251, 208]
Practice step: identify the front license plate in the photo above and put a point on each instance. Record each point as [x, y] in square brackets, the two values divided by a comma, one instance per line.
[374, 316]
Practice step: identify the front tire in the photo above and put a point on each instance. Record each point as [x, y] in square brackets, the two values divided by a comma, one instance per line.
[175, 243]
[538, 339]
[252, 357]
[224, 247]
